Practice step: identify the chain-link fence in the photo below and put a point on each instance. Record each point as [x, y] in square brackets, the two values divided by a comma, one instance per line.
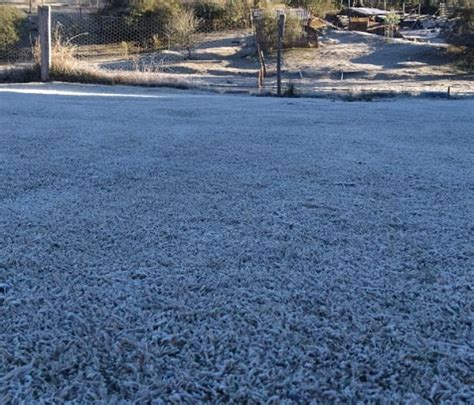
[140, 48]
[18, 33]
[318, 55]
[185, 49]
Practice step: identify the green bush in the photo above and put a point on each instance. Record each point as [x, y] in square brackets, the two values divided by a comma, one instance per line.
[237, 13]
[182, 28]
[144, 22]
[268, 30]
[163, 9]
[318, 7]
[11, 21]
[224, 13]
[463, 32]
[209, 10]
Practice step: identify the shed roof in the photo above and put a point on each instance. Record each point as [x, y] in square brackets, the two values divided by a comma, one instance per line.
[368, 11]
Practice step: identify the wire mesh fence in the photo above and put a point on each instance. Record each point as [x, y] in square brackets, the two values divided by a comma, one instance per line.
[16, 46]
[189, 50]
[184, 48]
[317, 56]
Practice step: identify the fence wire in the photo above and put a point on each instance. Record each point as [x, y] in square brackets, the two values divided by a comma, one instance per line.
[317, 56]
[203, 52]
[18, 50]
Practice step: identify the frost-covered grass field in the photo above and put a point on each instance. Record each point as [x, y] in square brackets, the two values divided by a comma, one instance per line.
[163, 245]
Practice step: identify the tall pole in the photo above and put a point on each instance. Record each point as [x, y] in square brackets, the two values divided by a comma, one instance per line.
[281, 32]
[44, 30]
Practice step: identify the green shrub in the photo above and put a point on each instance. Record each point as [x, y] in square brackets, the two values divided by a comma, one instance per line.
[143, 18]
[224, 13]
[182, 28]
[209, 10]
[147, 20]
[11, 21]
[463, 32]
[268, 30]
[318, 7]
[293, 30]
[462, 35]
[163, 9]
[237, 13]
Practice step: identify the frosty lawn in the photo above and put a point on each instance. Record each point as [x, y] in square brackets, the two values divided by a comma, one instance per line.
[178, 246]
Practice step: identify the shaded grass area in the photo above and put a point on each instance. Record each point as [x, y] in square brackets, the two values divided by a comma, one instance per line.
[83, 75]
[20, 75]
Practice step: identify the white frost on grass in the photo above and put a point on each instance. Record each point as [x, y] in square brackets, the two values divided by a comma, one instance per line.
[199, 247]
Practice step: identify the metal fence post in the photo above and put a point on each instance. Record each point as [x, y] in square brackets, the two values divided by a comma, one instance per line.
[281, 31]
[44, 31]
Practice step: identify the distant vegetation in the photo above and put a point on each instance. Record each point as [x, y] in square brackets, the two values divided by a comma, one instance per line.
[462, 36]
[318, 7]
[292, 34]
[11, 22]
[224, 13]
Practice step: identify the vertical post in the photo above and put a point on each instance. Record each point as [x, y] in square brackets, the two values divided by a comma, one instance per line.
[262, 72]
[281, 32]
[44, 30]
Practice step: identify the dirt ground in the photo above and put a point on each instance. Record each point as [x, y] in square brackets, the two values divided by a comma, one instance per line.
[344, 62]
[359, 61]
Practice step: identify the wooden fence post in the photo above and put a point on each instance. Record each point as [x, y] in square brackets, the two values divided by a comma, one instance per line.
[281, 32]
[44, 31]
[262, 72]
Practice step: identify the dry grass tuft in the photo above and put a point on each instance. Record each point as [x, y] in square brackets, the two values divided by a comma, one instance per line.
[67, 68]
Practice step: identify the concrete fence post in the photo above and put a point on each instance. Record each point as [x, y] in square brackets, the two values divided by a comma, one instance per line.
[44, 31]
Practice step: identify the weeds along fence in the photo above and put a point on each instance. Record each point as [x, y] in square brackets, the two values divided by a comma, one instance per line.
[186, 51]
[141, 48]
